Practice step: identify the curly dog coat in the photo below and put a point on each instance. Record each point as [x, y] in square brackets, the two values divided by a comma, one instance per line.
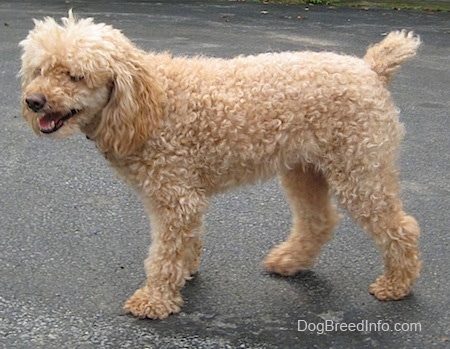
[179, 130]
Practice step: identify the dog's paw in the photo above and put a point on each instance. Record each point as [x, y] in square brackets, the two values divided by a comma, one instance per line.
[146, 303]
[285, 261]
[385, 289]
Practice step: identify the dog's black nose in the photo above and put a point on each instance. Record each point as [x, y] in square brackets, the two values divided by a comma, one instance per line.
[36, 101]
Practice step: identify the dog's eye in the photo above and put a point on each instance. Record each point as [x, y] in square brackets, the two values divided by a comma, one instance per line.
[75, 78]
[37, 72]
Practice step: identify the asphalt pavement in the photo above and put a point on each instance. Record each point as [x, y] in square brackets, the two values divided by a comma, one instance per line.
[73, 238]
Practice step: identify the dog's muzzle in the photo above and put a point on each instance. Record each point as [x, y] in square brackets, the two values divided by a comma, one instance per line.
[51, 121]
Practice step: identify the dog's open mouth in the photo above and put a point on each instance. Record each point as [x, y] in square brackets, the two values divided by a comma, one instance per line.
[52, 122]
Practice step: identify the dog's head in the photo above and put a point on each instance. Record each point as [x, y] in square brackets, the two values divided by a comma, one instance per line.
[79, 75]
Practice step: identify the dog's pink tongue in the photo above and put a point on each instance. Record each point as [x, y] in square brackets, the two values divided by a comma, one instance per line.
[49, 121]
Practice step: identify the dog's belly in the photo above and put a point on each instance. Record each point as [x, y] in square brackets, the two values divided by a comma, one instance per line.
[242, 168]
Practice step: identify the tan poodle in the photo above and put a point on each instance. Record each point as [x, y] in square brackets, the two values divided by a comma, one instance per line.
[179, 130]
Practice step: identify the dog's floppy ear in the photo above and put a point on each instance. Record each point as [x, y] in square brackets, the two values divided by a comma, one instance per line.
[134, 110]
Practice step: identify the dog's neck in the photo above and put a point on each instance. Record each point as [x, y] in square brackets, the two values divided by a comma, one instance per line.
[89, 129]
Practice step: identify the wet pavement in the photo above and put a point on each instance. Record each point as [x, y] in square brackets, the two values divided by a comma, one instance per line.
[73, 238]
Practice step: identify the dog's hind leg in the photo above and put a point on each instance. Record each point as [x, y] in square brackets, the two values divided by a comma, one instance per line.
[370, 191]
[313, 220]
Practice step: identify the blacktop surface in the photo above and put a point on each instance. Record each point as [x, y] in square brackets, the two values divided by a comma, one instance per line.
[73, 238]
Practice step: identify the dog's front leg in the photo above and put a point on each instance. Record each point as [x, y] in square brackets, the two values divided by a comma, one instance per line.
[173, 256]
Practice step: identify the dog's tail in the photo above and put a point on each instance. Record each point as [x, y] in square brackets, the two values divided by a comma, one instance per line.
[386, 56]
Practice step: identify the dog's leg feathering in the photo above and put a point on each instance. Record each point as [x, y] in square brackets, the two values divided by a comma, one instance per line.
[314, 218]
[401, 260]
[173, 258]
[374, 203]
